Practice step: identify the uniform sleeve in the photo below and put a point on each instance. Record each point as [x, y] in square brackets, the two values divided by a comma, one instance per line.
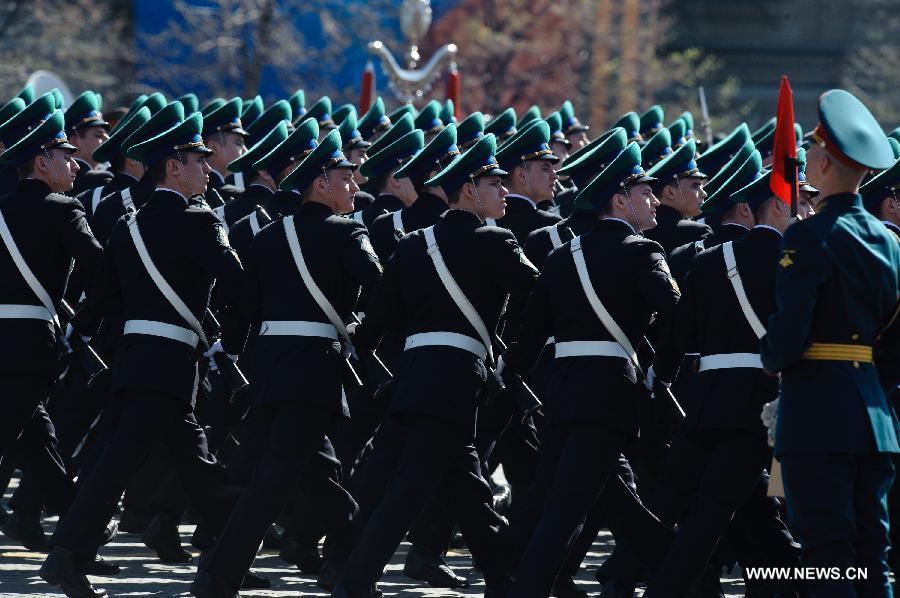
[655, 281]
[536, 248]
[802, 269]
[533, 335]
[104, 293]
[361, 262]
[384, 310]
[517, 274]
[678, 334]
[384, 237]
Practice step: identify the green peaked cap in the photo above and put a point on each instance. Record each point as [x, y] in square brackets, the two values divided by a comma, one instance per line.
[766, 143]
[570, 124]
[754, 191]
[58, 98]
[720, 202]
[470, 130]
[394, 155]
[46, 136]
[479, 160]
[268, 120]
[153, 103]
[321, 111]
[185, 137]
[632, 125]
[10, 109]
[895, 146]
[374, 120]
[265, 145]
[680, 164]
[298, 104]
[112, 147]
[719, 153]
[884, 184]
[502, 126]
[729, 168]
[624, 170]
[592, 144]
[85, 112]
[325, 156]
[533, 113]
[163, 120]
[658, 147]
[212, 106]
[448, 112]
[190, 101]
[688, 119]
[400, 111]
[440, 150]
[429, 119]
[764, 130]
[678, 132]
[251, 110]
[591, 163]
[341, 113]
[26, 120]
[530, 143]
[224, 119]
[297, 146]
[850, 132]
[652, 120]
[351, 138]
[400, 128]
[26, 94]
[895, 134]
[554, 121]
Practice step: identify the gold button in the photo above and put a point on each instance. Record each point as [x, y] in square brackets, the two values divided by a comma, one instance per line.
[854, 336]
[856, 364]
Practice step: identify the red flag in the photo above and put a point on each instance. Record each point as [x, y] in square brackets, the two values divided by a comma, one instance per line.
[453, 89]
[783, 181]
[368, 88]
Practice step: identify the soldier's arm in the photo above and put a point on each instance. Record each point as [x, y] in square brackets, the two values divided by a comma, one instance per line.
[517, 274]
[360, 260]
[384, 311]
[802, 269]
[103, 293]
[533, 335]
[678, 334]
[536, 248]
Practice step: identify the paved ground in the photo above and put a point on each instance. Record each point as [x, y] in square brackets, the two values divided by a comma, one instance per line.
[143, 575]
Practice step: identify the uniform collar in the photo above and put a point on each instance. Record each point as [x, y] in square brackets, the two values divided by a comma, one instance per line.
[625, 222]
[32, 185]
[891, 226]
[766, 226]
[216, 181]
[517, 196]
[389, 202]
[457, 215]
[839, 201]
[172, 191]
[84, 165]
[667, 215]
[261, 188]
[724, 224]
[126, 177]
[315, 207]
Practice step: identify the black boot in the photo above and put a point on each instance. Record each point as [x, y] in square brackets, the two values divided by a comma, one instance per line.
[255, 581]
[425, 566]
[61, 569]
[26, 530]
[565, 587]
[203, 538]
[97, 566]
[162, 536]
[133, 523]
[328, 576]
[306, 558]
[206, 585]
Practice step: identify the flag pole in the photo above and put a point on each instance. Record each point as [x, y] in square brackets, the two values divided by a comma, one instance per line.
[790, 169]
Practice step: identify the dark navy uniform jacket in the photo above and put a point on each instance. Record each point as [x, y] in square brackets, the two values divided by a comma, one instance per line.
[341, 261]
[632, 280]
[709, 321]
[539, 243]
[488, 265]
[191, 251]
[426, 211]
[218, 186]
[522, 217]
[49, 229]
[241, 234]
[119, 181]
[672, 230]
[681, 257]
[88, 178]
[362, 200]
[111, 208]
[244, 203]
[383, 204]
[838, 282]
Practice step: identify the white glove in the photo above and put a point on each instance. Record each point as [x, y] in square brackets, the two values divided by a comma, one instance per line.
[769, 417]
[349, 351]
[217, 348]
[498, 371]
[651, 378]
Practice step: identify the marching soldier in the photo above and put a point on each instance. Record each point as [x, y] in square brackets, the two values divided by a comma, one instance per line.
[86, 130]
[836, 293]
[401, 126]
[447, 324]
[297, 360]
[161, 264]
[391, 194]
[574, 130]
[224, 133]
[429, 120]
[355, 147]
[880, 197]
[503, 126]
[321, 111]
[719, 154]
[374, 122]
[469, 131]
[652, 121]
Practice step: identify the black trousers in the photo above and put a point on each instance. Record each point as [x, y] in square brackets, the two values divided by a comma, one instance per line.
[147, 419]
[435, 452]
[298, 451]
[577, 469]
[27, 433]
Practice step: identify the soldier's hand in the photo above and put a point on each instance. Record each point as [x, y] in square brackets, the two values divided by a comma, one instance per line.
[211, 355]
[498, 371]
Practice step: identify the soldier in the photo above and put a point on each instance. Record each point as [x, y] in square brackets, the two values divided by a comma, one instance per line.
[224, 134]
[321, 111]
[503, 126]
[726, 296]
[401, 127]
[443, 368]
[529, 161]
[718, 154]
[880, 197]
[574, 130]
[87, 130]
[259, 128]
[155, 374]
[766, 144]
[429, 120]
[836, 295]
[297, 360]
[391, 194]
[35, 267]
[586, 430]
[298, 106]
[374, 122]
[657, 148]
[354, 147]
[21, 120]
[470, 130]
[532, 114]
[652, 121]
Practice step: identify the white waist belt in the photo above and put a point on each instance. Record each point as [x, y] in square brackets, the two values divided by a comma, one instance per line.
[446, 339]
[590, 349]
[169, 331]
[25, 312]
[723, 361]
[297, 328]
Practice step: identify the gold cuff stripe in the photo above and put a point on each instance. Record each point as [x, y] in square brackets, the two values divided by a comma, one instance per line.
[838, 352]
